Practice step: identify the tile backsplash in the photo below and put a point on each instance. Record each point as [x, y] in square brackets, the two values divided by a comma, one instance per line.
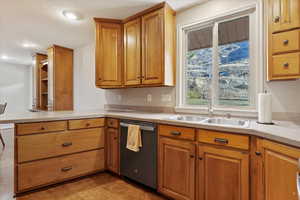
[155, 97]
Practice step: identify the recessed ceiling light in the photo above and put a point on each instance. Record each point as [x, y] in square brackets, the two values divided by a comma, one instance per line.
[4, 57]
[28, 45]
[71, 15]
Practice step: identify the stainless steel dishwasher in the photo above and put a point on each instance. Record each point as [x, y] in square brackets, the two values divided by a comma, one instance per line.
[140, 166]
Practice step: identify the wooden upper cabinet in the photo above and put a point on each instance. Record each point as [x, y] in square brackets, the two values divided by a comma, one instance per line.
[284, 15]
[279, 171]
[153, 48]
[108, 54]
[176, 168]
[159, 47]
[144, 44]
[222, 174]
[132, 52]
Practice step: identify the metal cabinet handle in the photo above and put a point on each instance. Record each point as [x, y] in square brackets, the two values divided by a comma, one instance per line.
[65, 169]
[67, 144]
[221, 140]
[257, 153]
[176, 133]
[192, 156]
[286, 65]
[200, 158]
[277, 19]
[88, 124]
[42, 128]
[286, 42]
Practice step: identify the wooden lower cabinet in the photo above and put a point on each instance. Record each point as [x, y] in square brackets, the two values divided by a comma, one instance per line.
[40, 146]
[44, 172]
[52, 152]
[176, 168]
[222, 174]
[112, 150]
[278, 172]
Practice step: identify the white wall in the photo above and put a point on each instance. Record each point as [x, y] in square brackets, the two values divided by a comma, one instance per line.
[86, 95]
[15, 87]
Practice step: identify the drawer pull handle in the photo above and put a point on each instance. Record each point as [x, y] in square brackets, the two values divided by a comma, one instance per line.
[65, 169]
[258, 153]
[200, 158]
[42, 128]
[176, 133]
[67, 144]
[276, 19]
[192, 156]
[286, 42]
[221, 140]
[286, 65]
[88, 124]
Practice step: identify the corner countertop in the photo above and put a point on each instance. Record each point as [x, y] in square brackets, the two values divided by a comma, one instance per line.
[283, 131]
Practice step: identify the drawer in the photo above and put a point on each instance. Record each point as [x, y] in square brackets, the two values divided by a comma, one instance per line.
[34, 147]
[286, 65]
[177, 132]
[112, 123]
[286, 41]
[41, 127]
[86, 123]
[223, 139]
[44, 172]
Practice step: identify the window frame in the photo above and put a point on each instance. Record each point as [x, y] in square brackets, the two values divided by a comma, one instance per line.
[254, 12]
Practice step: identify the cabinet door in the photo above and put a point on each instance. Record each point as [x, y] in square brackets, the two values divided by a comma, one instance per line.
[284, 14]
[112, 150]
[280, 171]
[132, 52]
[153, 48]
[108, 54]
[222, 174]
[176, 168]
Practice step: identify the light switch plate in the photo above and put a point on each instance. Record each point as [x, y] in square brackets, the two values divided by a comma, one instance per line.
[149, 98]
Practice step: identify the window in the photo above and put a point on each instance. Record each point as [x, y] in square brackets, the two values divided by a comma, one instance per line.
[219, 64]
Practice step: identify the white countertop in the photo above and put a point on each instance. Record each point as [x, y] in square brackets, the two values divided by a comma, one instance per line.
[282, 131]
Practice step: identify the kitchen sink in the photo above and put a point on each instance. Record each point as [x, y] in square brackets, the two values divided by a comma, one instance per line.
[187, 118]
[227, 122]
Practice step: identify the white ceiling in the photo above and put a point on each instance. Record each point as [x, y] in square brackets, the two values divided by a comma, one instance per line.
[40, 22]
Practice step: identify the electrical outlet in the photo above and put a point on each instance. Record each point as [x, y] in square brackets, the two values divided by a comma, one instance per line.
[166, 98]
[149, 98]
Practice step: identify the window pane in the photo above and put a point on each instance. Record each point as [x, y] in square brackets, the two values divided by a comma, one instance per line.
[234, 68]
[198, 66]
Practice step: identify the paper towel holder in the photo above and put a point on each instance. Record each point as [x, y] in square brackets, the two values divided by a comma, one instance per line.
[265, 123]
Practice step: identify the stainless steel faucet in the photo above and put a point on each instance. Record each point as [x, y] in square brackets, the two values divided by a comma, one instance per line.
[210, 109]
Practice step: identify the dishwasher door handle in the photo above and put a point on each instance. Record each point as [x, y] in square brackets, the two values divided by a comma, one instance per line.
[144, 128]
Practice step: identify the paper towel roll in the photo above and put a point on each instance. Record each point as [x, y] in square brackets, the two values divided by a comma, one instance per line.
[264, 108]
